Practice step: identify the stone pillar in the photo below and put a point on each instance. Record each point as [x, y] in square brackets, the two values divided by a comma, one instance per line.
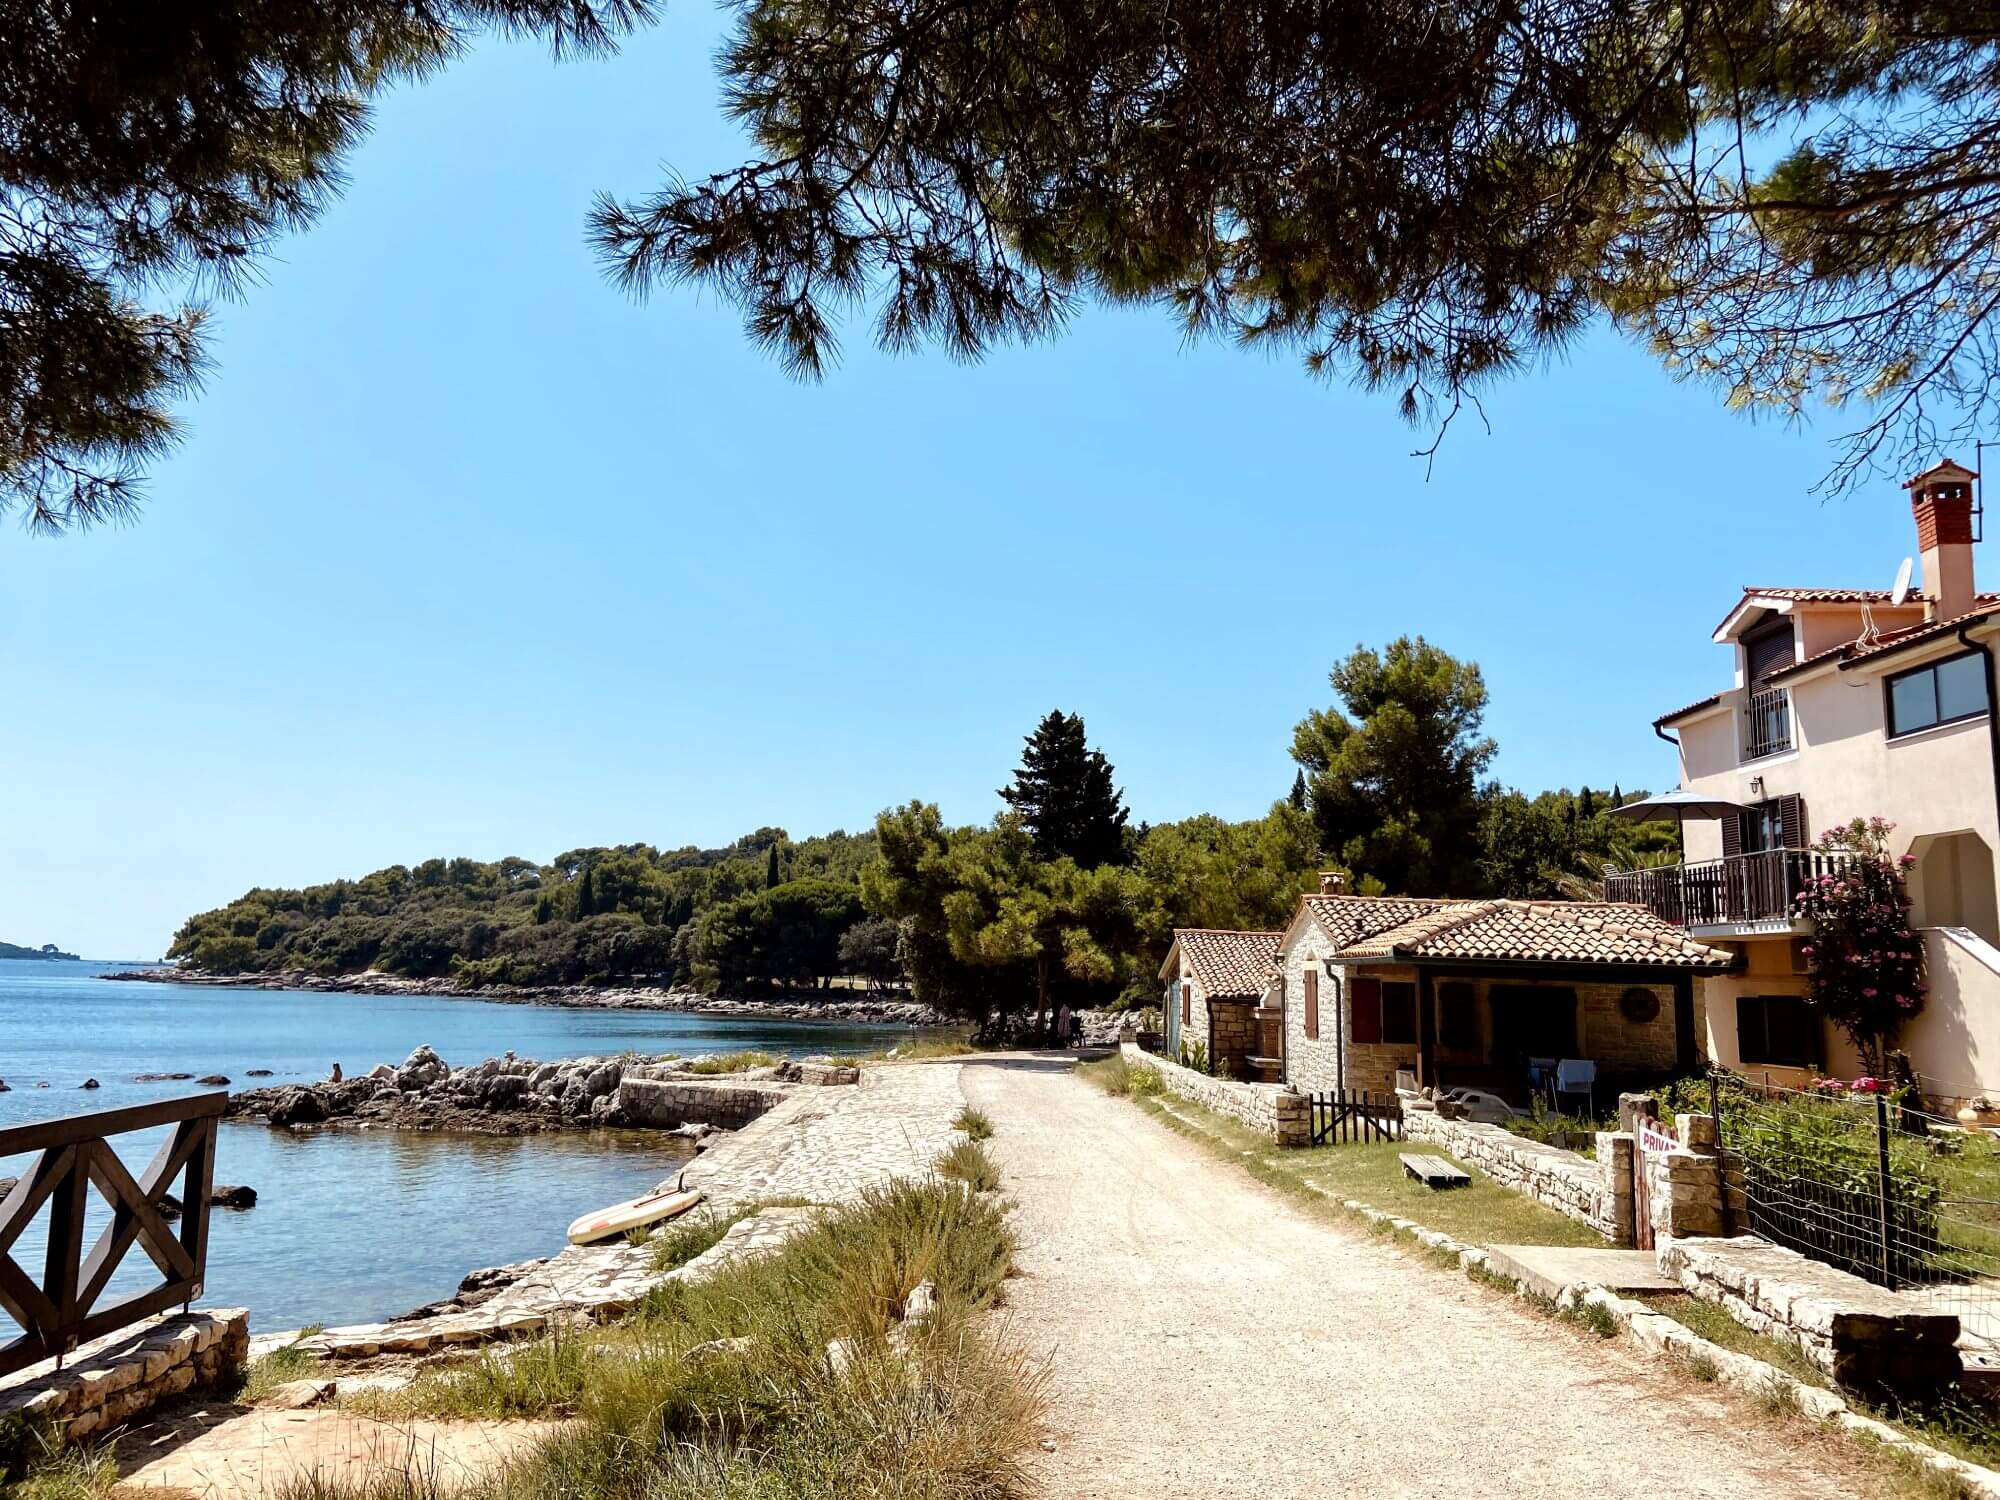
[1614, 1168]
[1293, 1118]
[1634, 1107]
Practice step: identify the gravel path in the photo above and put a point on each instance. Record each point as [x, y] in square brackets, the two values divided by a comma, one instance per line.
[1207, 1339]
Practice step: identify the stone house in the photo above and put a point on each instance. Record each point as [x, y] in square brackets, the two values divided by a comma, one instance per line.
[1465, 992]
[1216, 985]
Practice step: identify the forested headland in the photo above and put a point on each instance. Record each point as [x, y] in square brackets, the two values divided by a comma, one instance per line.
[1060, 898]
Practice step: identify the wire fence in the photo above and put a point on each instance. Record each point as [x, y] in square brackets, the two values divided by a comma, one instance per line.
[1874, 1186]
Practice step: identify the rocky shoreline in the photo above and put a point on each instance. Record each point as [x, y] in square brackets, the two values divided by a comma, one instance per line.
[505, 1095]
[870, 1011]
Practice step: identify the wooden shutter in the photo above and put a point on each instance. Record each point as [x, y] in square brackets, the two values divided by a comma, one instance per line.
[1312, 1004]
[1364, 1010]
[1751, 1043]
[1187, 1001]
[1792, 819]
[1458, 1017]
[1732, 835]
[1768, 651]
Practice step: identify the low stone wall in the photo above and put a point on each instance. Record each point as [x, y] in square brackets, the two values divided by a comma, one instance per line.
[109, 1381]
[1597, 1193]
[1270, 1109]
[674, 1099]
[1864, 1337]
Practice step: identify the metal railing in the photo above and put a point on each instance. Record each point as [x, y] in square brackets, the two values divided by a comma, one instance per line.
[58, 1310]
[1760, 887]
[1767, 723]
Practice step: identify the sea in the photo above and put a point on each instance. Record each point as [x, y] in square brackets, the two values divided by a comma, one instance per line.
[350, 1226]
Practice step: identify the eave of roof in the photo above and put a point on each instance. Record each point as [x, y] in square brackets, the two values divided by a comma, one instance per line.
[1850, 654]
[1681, 713]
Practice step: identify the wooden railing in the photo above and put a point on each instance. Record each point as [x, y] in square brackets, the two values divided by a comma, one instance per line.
[1761, 887]
[1341, 1116]
[58, 1310]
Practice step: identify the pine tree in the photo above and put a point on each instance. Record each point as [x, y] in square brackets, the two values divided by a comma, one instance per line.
[1298, 796]
[1586, 806]
[1066, 796]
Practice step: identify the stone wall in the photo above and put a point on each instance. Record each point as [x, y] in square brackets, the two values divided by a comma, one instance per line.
[109, 1381]
[1688, 1190]
[1864, 1337]
[1233, 1026]
[1270, 1109]
[1597, 1193]
[673, 1099]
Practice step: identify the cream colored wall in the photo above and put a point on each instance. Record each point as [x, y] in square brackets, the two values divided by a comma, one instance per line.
[1845, 766]
[1954, 1043]
[1767, 970]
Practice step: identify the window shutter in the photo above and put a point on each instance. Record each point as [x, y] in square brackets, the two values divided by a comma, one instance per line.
[1187, 1001]
[1732, 835]
[1312, 1004]
[1364, 1008]
[1751, 1046]
[1792, 819]
[1769, 652]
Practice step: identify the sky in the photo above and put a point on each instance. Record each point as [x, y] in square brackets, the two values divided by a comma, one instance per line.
[467, 553]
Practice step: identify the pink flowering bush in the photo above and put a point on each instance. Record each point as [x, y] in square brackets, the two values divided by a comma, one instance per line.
[1866, 965]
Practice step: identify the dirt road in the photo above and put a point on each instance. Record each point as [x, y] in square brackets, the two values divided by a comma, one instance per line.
[1206, 1339]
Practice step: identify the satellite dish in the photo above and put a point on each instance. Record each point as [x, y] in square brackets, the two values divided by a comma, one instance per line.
[1901, 592]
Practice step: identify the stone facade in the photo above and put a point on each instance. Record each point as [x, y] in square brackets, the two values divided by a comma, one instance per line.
[674, 1099]
[1864, 1337]
[1269, 1109]
[111, 1380]
[1688, 1190]
[1598, 1193]
[1225, 1026]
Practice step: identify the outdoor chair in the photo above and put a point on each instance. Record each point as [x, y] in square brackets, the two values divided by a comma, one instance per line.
[1576, 1075]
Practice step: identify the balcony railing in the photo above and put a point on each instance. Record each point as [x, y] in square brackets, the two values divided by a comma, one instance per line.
[1767, 723]
[1759, 887]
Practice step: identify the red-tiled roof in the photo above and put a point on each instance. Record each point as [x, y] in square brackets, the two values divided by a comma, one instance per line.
[1226, 962]
[1570, 932]
[1680, 713]
[1829, 596]
[1892, 640]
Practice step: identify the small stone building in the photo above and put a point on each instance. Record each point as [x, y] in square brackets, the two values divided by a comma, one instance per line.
[1217, 983]
[1465, 993]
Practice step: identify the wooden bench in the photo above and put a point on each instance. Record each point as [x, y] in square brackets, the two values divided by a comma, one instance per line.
[1432, 1171]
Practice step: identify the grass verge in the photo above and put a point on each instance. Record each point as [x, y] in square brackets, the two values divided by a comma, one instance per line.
[1120, 1079]
[726, 1387]
[733, 1062]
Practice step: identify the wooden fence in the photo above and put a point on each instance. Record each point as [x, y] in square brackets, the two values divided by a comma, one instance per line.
[1344, 1116]
[59, 1310]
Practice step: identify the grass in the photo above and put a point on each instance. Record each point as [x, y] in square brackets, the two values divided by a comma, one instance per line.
[975, 1123]
[1713, 1322]
[923, 1049]
[272, 1370]
[733, 1062]
[1120, 1079]
[724, 1387]
[694, 1234]
[79, 1472]
[966, 1161]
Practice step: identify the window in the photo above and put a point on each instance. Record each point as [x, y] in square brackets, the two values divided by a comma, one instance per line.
[1778, 1029]
[1458, 1017]
[1399, 1013]
[1364, 1010]
[1938, 693]
[1312, 1003]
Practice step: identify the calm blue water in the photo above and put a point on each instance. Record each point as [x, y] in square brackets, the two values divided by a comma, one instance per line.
[351, 1225]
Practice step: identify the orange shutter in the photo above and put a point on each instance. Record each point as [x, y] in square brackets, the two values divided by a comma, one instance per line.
[1312, 1005]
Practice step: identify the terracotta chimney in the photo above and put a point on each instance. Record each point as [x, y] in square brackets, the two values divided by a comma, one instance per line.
[1330, 882]
[1941, 499]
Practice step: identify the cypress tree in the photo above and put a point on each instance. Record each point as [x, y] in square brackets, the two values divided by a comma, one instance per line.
[1298, 796]
[586, 895]
[1065, 794]
[773, 876]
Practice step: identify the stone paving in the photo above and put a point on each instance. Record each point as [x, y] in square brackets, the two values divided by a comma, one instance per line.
[821, 1145]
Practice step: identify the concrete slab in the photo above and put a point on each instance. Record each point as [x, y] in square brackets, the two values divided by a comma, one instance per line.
[1550, 1268]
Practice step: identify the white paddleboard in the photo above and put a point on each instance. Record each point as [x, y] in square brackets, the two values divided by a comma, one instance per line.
[655, 1207]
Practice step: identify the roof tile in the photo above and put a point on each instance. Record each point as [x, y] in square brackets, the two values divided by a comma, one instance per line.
[1227, 962]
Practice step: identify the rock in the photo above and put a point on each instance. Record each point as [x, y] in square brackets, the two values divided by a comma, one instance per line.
[169, 1206]
[3, 1087]
[296, 1395]
[297, 1106]
[421, 1069]
[7, 1186]
[381, 1072]
[258, 1073]
[921, 1303]
[701, 1353]
[159, 1077]
[225, 1195]
[214, 1081]
[90, 1083]
[43, 1084]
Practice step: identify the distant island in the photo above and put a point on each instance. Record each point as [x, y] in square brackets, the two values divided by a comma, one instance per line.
[47, 950]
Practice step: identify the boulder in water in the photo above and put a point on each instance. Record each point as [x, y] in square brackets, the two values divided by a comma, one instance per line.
[214, 1081]
[90, 1083]
[297, 1106]
[229, 1195]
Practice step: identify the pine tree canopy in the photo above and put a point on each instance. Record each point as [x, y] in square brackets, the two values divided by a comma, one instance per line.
[1794, 203]
[148, 153]
[1066, 797]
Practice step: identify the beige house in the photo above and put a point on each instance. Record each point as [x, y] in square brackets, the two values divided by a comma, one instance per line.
[1849, 703]
[1216, 985]
[1470, 993]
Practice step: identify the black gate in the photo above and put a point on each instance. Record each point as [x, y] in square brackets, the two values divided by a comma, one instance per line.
[1343, 1116]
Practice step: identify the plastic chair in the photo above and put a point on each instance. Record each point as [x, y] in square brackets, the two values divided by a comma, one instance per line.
[1576, 1075]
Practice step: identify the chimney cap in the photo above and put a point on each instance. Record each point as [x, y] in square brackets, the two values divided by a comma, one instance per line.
[1331, 882]
[1947, 471]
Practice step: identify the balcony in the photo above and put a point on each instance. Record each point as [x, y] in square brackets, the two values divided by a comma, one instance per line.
[1767, 723]
[1739, 890]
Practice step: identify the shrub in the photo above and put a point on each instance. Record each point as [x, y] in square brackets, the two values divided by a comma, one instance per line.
[967, 1162]
[975, 1123]
[1866, 965]
[732, 1062]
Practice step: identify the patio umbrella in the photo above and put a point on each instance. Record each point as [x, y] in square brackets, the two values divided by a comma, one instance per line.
[1680, 805]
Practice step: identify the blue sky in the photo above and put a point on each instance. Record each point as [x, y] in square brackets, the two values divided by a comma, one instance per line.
[468, 554]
